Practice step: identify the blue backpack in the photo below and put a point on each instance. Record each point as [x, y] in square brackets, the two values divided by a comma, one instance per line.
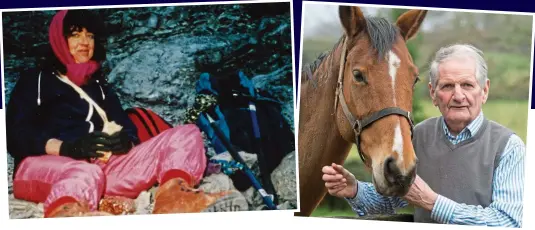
[250, 119]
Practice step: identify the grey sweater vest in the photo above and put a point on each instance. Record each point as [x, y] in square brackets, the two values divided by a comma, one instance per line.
[462, 172]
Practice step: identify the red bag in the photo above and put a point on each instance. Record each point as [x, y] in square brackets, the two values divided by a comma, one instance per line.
[148, 123]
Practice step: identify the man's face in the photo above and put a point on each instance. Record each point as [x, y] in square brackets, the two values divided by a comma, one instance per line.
[458, 94]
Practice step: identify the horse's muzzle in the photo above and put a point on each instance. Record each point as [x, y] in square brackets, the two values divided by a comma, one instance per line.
[398, 184]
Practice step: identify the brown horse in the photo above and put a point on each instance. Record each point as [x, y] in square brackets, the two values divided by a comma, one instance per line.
[360, 93]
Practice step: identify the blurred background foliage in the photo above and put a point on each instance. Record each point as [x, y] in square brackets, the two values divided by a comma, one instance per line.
[505, 39]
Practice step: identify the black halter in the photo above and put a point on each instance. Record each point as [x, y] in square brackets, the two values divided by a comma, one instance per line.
[359, 125]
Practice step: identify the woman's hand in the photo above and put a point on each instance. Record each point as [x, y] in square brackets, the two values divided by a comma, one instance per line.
[86, 147]
[52, 146]
[339, 182]
[120, 143]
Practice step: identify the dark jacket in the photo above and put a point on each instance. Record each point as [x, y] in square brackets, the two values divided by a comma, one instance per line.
[42, 107]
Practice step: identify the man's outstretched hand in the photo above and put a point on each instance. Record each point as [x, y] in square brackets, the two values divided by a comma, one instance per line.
[339, 181]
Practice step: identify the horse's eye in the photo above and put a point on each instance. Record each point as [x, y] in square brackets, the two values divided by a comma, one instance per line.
[359, 77]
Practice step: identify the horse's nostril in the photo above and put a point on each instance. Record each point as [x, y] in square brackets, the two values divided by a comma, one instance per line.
[391, 167]
[391, 170]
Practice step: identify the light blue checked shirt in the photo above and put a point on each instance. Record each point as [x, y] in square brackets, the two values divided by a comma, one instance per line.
[506, 209]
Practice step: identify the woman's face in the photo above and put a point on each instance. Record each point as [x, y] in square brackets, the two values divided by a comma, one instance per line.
[81, 45]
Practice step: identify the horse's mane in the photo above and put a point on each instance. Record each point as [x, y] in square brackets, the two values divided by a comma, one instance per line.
[382, 35]
[316, 63]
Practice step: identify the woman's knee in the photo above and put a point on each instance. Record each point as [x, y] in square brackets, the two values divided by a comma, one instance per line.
[87, 173]
[38, 176]
[85, 170]
[36, 166]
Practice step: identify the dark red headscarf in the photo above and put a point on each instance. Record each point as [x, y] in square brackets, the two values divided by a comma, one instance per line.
[78, 73]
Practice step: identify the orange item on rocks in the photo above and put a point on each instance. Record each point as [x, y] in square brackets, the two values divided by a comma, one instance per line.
[117, 205]
[73, 209]
[177, 196]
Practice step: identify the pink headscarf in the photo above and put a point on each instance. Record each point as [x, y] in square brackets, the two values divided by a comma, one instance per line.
[78, 73]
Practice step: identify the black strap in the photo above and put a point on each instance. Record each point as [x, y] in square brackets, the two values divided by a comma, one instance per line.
[359, 125]
[383, 113]
[361, 153]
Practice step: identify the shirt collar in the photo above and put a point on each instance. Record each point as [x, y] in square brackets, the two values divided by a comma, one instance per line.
[470, 130]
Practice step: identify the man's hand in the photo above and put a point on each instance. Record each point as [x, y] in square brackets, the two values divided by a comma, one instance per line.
[339, 182]
[421, 195]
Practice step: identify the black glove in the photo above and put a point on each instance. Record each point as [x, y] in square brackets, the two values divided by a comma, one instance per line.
[86, 147]
[120, 143]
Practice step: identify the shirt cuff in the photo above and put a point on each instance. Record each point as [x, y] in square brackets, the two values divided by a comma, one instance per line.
[360, 188]
[443, 210]
[355, 202]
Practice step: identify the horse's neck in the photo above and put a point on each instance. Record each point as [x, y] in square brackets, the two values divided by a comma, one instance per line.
[319, 136]
[320, 143]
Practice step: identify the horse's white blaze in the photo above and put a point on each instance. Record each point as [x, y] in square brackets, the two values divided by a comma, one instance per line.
[393, 65]
[398, 143]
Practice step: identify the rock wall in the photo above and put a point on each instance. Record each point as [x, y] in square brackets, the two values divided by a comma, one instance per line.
[155, 54]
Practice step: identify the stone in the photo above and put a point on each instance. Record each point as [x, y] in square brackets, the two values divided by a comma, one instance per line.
[284, 180]
[153, 21]
[20, 209]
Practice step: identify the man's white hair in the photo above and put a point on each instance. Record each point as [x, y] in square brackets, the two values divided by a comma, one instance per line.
[459, 51]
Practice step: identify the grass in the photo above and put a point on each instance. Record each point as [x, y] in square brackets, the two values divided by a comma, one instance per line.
[512, 114]
[323, 211]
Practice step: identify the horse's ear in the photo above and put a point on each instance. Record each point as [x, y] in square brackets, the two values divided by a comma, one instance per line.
[352, 19]
[409, 23]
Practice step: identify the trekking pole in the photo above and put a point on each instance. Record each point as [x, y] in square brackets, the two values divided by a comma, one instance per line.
[268, 200]
[258, 148]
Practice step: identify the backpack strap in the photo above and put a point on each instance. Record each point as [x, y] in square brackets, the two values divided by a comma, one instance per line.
[151, 119]
[135, 112]
[148, 123]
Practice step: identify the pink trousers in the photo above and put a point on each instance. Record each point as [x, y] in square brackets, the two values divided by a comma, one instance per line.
[176, 152]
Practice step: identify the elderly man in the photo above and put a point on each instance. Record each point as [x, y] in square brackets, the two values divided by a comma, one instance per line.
[470, 171]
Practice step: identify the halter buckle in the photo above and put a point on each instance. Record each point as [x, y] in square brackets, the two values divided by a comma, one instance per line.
[357, 128]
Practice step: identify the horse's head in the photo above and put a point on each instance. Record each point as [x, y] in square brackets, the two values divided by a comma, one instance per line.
[376, 84]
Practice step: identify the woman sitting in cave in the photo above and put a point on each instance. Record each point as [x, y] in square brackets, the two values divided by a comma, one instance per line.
[73, 144]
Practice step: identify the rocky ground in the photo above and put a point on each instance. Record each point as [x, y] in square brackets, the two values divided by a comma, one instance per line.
[283, 177]
[155, 55]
